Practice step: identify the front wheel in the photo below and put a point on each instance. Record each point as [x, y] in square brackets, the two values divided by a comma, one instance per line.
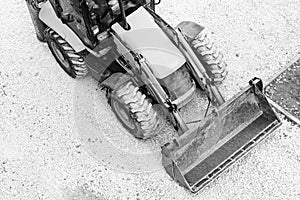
[211, 58]
[70, 61]
[134, 111]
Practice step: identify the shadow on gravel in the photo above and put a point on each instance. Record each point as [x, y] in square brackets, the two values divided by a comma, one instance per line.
[105, 139]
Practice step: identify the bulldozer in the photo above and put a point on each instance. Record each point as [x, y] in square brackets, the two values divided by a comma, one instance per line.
[149, 71]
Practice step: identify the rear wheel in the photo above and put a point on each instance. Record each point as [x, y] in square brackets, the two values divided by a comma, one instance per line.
[72, 63]
[134, 111]
[211, 58]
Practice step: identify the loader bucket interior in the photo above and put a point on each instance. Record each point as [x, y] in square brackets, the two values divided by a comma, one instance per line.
[202, 153]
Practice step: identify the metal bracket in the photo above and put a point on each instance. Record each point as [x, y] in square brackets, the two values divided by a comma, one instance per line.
[257, 82]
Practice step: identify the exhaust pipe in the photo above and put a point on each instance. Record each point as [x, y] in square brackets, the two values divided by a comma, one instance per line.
[124, 23]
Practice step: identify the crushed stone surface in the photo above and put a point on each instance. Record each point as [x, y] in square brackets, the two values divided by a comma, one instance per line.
[60, 140]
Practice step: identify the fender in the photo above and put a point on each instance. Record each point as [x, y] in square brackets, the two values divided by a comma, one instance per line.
[189, 29]
[49, 17]
[115, 80]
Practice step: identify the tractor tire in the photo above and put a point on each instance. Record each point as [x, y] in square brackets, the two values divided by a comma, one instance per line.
[210, 57]
[70, 61]
[134, 111]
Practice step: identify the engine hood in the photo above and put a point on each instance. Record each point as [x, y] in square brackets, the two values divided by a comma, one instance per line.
[146, 37]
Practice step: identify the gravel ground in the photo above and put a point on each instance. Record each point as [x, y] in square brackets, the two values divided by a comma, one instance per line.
[49, 142]
[285, 89]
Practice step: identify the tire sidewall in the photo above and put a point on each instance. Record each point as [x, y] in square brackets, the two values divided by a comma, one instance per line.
[134, 131]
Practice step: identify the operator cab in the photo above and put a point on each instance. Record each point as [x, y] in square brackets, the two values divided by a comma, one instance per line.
[91, 19]
[99, 15]
[106, 12]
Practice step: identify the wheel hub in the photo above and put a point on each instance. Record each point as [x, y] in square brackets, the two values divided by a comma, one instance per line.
[123, 113]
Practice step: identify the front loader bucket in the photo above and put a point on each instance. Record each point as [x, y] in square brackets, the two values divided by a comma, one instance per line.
[202, 153]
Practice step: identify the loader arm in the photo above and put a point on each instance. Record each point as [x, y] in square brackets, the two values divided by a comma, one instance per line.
[162, 97]
[144, 75]
[199, 72]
